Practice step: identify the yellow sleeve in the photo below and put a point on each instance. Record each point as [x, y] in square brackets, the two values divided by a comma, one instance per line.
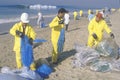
[90, 28]
[107, 29]
[54, 23]
[13, 30]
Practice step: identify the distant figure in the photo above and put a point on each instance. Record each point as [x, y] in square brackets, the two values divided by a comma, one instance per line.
[67, 19]
[97, 11]
[75, 14]
[40, 20]
[91, 16]
[96, 28]
[19, 30]
[89, 11]
[57, 34]
[81, 13]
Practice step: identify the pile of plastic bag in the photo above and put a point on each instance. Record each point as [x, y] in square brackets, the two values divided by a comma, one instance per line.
[25, 73]
[84, 56]
[19, 74]
[102, 59]
[108, 48]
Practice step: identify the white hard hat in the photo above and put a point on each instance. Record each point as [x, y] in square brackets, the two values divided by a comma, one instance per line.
[103, 15]
[24, 18]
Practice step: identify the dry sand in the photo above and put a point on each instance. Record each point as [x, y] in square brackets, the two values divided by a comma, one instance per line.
[77, 33]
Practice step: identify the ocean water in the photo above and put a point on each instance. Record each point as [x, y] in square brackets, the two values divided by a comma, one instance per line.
[11, 13]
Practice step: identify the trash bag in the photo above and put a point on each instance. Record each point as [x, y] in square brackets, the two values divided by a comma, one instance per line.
[19, 74]
[61, 41]
[86, 56]
[44, 70]
[5, 76]
[108, 48]
[43, 25]
[115, 65]
[101, 66]
[38, 42]
[26, 52]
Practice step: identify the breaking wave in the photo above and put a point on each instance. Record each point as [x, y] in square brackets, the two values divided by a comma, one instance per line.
[38, 6]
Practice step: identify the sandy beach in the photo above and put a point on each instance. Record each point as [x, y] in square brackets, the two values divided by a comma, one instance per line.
[77, 33]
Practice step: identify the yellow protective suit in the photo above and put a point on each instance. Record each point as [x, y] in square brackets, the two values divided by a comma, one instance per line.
[97, 11]
[89, 11]
[81, 13]
[30, 33]
[56, 28]
[97, 28]
[75, 14]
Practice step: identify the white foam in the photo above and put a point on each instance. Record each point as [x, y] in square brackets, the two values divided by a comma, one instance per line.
[38, 6]
[9, 20]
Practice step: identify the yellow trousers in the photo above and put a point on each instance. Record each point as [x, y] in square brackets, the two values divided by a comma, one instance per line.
[75, 17]
[19, 63]
[54, 57]
[55, 51]
[92, 42]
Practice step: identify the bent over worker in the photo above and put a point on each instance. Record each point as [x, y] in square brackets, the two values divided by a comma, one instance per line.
[57, 26]
[18, 31]
[96, 27]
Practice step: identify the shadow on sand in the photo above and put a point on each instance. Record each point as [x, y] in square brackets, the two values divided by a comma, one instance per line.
[73, 29]
[62, 57]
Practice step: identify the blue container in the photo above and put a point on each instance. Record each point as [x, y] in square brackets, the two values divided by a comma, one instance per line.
[44, 70]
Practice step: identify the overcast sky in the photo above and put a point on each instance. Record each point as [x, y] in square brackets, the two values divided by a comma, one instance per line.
[82, 3]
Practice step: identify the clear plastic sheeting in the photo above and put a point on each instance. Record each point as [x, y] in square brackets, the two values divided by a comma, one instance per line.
[84, 56]
[108, 48]
[19, 74]
[116, 65]
[101, 66]
[5, 76]
[89, 57]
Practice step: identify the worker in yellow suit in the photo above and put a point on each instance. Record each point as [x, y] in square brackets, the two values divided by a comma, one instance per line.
[75, 14]
[81, 13]
[56, 25]
[89, 11]
[96, 28]
[18, 31]
[97, 11]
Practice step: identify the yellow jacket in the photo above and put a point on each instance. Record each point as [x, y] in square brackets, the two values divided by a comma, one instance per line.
[75, 13]
[29, 32]
[81, 12]
[89, 11]
[56, 28]
[98, 28]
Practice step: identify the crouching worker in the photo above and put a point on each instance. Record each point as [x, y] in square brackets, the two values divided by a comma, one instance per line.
[19, 30]
[96, 27]
[57, 34]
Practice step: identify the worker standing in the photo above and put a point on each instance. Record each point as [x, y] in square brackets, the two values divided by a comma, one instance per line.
[67, 20]
[57, 34]
[40, 20]
[96, 28]
[75, 14]
[91, 16]
[19, 30]
[81, 13]
[89, 11]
